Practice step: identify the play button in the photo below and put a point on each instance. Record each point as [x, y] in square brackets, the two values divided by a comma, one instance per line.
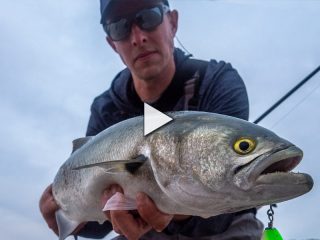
[154, 119]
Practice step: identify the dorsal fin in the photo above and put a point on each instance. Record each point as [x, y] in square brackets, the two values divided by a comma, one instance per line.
[79, 142]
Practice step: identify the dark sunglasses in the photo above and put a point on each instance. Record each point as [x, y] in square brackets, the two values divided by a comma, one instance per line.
[146, 19]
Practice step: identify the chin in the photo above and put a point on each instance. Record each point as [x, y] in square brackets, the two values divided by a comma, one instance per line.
[148, 74]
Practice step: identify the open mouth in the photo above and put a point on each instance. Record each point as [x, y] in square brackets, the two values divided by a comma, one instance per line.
[284, 165]
[272, 170]
[278, 161]
[275, 172]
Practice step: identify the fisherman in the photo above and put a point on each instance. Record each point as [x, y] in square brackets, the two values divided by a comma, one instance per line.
[142, 33]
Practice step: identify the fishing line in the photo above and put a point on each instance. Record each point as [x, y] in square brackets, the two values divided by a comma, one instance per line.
[294, 107]
[271, 233]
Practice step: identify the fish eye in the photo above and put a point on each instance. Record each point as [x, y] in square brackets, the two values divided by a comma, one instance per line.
[244, 146]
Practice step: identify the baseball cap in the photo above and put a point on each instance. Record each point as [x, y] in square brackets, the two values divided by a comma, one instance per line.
[104, 4]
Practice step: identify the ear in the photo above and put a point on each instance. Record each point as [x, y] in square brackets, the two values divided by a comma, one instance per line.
[111, 43]
[174, 22]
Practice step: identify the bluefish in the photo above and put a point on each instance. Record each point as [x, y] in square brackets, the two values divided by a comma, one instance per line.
[200, 164]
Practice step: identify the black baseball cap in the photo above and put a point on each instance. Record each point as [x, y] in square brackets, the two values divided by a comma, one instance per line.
[104, 4]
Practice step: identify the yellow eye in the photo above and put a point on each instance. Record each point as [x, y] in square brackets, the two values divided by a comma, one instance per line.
[244, 146]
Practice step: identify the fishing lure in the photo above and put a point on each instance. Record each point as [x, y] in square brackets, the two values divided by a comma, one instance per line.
[271, 233]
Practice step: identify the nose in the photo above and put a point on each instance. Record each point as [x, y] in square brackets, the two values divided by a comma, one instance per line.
[137, 36]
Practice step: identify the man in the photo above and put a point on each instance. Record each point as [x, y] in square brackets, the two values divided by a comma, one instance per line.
[142, 33]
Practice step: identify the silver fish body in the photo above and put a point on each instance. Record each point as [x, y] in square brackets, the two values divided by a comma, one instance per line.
[201, 164]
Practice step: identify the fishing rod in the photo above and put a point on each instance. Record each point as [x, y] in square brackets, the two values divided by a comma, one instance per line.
[270, 232]
[281, 100]
[288, 94]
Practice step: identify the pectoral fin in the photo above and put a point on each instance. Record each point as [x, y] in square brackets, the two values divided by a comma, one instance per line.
[131, 165]
[65, 225]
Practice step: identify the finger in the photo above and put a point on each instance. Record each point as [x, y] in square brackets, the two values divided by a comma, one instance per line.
[48, 207]
[107, 194]
[107, 214]
[151, 214]
[47, 192]
[116, 228]
[123, 222]
[52, 224]
[131, 227]
[47, 202]
[49, 216]
[45, 195]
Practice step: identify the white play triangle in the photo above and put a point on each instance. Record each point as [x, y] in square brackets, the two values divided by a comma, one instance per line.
[153, 119]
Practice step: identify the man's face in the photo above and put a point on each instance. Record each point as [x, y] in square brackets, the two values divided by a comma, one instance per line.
[146, 53]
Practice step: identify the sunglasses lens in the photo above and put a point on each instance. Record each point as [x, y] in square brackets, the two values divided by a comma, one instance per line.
[118, 30]
[149, 19]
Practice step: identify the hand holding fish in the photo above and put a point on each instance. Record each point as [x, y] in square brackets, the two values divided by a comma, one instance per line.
[48, 208]
[133, 225]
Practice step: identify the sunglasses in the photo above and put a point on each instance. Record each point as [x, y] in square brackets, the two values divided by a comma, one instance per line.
[146, 19]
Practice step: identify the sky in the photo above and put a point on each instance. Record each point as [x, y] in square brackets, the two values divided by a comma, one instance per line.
[54, 60]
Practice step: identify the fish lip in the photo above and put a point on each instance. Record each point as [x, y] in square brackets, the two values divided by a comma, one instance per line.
[280, 160]
[269, 162]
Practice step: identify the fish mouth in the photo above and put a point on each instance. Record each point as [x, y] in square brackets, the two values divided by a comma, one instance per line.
[273, 168]
[279, 161]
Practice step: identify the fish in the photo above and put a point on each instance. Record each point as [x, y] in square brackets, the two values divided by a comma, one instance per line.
[201, 164]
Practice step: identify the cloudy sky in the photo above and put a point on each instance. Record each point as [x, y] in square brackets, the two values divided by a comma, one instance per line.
[54, 61]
